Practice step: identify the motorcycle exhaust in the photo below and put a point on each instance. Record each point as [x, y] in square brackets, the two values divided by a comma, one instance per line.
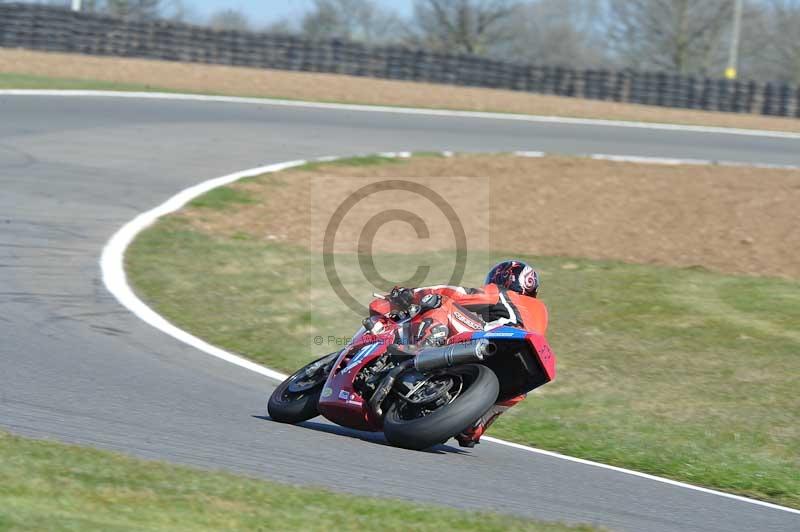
[383, 389]
[430, 359]
[451, 355]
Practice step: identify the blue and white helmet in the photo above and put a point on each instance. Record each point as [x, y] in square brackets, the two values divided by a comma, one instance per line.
[516, 276]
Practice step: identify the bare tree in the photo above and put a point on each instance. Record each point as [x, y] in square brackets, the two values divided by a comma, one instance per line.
[282, 26]
[782, 55]
[91, 6]
[180, 11]
[229, 19]
[360, 20]
[555, 32]
[684, 36]
[134, 9]
[467, 26]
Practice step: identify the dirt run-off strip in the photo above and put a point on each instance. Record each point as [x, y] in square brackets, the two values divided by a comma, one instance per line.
[726, 219]
[241, 81]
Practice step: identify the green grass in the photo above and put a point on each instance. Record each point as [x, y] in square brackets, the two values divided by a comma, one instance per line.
[432, 154]
[677, 372]
[25, 81]
[359, 160]
[222, 198]
[51, 486]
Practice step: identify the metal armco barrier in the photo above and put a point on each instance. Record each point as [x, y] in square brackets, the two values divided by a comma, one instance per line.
[39, 27]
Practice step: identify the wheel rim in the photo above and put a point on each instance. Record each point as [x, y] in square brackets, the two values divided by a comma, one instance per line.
[308, 379]
[432, 394]
[303, 383]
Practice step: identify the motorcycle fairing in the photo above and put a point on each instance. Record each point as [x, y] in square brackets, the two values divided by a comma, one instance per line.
[500, 333]
[339, 401]
[523, 362]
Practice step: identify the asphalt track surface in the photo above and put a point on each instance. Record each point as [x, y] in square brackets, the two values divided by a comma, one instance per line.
[77, 367]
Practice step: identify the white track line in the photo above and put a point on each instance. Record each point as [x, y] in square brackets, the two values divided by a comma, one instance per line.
[640, 475]
[407, 111]
[112, 266]
[671, 161]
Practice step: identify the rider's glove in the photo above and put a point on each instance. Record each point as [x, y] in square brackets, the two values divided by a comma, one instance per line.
[401, 298]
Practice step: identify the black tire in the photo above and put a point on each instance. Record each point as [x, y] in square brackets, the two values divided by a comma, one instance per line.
[448, 420]
[287, 406]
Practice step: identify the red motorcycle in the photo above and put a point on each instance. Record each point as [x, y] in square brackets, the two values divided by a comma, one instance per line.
[418, 397]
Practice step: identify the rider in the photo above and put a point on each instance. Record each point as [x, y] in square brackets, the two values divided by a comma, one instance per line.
[508, 297]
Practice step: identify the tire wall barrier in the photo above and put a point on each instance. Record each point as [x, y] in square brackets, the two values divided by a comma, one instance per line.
[40, 27]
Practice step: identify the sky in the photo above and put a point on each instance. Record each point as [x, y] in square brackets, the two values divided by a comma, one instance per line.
[263, 12]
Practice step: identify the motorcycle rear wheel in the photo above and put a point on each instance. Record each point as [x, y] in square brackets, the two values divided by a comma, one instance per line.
[295, 399]
[478, 394]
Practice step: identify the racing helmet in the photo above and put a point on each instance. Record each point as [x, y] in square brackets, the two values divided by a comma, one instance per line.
[516, 276]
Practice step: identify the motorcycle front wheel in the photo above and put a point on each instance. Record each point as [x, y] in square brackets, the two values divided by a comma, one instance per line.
[296, 398]
[449, 402]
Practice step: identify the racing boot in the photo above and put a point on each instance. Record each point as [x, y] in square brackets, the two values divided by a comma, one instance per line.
[472, 436]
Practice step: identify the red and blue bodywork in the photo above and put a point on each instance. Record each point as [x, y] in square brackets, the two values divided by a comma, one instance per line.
[523, 362]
